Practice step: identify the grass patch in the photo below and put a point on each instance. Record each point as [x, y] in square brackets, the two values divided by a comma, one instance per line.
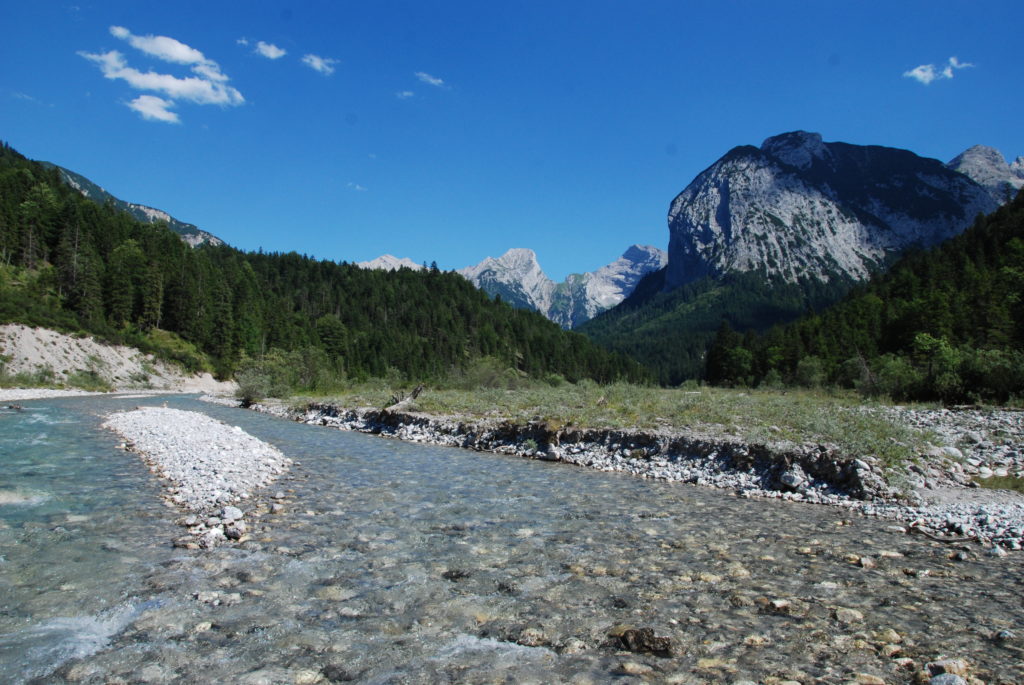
[42, 377]
[89, 379]
[757, 416]
[172, 347]
[1001, 483]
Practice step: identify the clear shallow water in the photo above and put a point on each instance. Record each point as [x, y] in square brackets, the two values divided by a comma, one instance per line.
[401, 563]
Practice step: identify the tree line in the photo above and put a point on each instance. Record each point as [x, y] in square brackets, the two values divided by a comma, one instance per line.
[669, 332]
[943, 324]
[71, 264]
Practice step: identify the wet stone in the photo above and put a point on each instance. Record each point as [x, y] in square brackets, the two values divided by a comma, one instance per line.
[644, 641]
[847, 616]
[338, 673]
[947, 679]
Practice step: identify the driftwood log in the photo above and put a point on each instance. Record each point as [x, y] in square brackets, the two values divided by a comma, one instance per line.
[400, 402]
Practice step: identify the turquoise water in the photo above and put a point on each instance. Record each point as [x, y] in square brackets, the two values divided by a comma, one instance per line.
[77, 524]
[401, 563]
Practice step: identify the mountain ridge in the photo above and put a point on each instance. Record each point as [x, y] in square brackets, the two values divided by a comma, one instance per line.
[766, 234]
[190, 233]
[518, 279]
[800, 207]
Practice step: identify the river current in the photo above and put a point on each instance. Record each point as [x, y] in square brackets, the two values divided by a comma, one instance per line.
[402, 563]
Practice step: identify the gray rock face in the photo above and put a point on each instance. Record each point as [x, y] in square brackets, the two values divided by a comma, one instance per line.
[581, 297]
[798, 207]
[388, 262]
[518, 278]
[986, 166]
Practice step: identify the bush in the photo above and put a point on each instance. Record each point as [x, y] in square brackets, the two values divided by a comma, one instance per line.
[894, 377]
[89, 379]
[994, 375]
[489, 372]
[253, 385]
[810, 372]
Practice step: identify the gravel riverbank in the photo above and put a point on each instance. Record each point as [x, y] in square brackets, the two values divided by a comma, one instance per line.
[212, 469]
[935, 496]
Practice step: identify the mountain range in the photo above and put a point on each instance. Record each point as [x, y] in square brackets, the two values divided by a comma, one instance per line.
[761, 236]
[517, 278]
[767, 233]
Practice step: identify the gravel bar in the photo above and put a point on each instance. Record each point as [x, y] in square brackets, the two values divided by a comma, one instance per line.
[210, 465]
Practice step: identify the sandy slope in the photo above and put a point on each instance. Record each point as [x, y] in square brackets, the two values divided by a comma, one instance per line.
[31, 349]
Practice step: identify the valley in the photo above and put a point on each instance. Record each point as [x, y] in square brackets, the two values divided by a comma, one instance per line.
[804, 290]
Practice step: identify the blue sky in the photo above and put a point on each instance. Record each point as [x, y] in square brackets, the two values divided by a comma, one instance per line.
[451, 131]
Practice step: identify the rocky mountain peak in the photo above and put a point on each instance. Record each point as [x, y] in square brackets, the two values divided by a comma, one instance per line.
[518, 278]
[987, 167]
[779, 211]
[388, 262]
[797, 148]
[639, 254]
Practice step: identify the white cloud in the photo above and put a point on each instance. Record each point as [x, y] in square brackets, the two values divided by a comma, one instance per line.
[202, 91]
[161, 47]
[404, 94]
[926, 73]
[356, 187]
[155, 109]
[206, 86]
[269, 50]
[427, 78]
[325, 65]
[242, 41]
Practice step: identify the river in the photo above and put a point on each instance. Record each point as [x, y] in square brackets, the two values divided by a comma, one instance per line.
[403, 563]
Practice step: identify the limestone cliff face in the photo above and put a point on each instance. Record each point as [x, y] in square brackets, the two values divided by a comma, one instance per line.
[986, 166]
[581, 297]
[798, 207]
[518, 278]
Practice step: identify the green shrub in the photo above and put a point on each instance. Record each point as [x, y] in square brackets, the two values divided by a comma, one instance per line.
[89, 379]
[489, 372]
[894, 377]
[810, 372]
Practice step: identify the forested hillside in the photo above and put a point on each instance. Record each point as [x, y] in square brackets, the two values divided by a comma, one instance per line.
[946, 324]
[70, 264]
[669, 332]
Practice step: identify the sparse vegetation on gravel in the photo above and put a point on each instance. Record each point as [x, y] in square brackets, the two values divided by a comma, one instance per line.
[755, 416]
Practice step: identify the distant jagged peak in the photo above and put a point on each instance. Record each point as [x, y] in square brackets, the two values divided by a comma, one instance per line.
[980, 153]
[388, 262]
[796, 148]
[640, 253]
[987, 167]
[518, 257]
[518, 278]
[518, 260]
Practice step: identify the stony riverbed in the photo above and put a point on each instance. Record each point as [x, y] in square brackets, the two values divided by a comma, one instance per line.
[934, 496]
[395, 562]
